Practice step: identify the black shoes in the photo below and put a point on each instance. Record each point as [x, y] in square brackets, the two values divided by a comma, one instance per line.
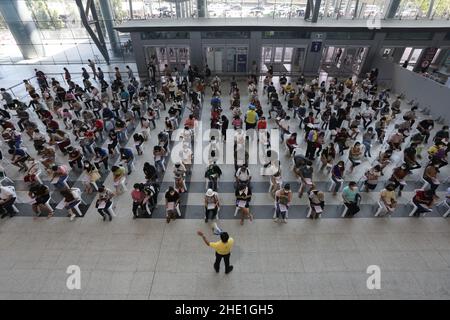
[229, 270]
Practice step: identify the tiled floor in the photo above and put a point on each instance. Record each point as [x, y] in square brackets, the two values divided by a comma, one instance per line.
[304, 259]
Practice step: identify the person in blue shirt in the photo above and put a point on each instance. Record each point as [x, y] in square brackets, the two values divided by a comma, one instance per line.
[101, 155]
[351, 198]
[127, 157]
[19, 158]
[124, 99]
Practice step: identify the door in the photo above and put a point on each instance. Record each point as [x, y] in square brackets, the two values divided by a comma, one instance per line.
[283, 59]
[410, 56]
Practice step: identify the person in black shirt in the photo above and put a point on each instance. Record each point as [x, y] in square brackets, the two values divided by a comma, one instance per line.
[410, 157]
[424, 127]
[172, 202]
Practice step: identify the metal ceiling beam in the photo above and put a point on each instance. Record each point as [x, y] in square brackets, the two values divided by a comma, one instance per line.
[97, 35]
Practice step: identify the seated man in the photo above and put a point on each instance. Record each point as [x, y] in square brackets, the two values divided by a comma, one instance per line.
[430, 175]
[75, 156]
[127, 157]
[7, 198]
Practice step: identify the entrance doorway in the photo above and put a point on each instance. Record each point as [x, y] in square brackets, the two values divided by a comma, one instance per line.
[411, 55]
[343, 61]
[174, 56]
[283, 59]
[226, 59]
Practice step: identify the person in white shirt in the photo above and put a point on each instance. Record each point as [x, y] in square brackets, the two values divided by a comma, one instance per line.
[7, 198]
[243, 175]
[186, 158]
[284, 127]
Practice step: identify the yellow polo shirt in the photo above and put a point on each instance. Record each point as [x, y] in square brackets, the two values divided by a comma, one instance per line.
[222, 248]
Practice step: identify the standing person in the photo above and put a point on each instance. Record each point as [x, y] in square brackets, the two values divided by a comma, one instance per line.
[67, 75]
[129, 73]
[92, 66]
[117, 74]
[223, 250]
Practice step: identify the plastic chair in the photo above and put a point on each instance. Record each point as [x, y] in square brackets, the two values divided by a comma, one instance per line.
[344, 212]
[381, 208]
[444, 203]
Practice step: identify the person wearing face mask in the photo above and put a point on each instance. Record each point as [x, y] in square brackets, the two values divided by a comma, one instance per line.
[387, 198]
[372, 175]
[283, 199]
[337, 175]
[92, 176]
[430, 175]
[316, 202]
[351, 198]
[179, 172]
[398, 177]
[243, 197]
[172, 201]
[186, 158]
[305, 176]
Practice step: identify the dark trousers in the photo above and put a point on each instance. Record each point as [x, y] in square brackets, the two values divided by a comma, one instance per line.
[105, 210]
[105, 163]
[310, 150]
[77, 161]
[7, 208]
[210, 214]
[136, 205]
[353, 208]
[433, 186]
[226, 258]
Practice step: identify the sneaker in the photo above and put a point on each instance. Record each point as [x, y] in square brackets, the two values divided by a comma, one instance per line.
[276, 220]
[229, 270]
[104, 218]
[72, 217]
[284, 220]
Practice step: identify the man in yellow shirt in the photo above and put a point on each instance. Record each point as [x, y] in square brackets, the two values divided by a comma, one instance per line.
[223, 250]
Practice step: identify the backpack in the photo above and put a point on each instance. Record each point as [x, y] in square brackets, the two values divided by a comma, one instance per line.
[312, 136]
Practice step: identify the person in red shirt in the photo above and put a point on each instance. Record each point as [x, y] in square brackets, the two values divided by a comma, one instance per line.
[262, 123]
[138, 197]
[190, 122]
[98, 127]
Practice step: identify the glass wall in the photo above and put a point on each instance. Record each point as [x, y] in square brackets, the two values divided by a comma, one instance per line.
[64, 38]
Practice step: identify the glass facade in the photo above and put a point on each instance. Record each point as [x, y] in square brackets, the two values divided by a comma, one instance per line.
[285, 9]
[62, 35]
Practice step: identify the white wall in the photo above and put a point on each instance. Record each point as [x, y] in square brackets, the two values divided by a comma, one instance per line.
[428, 93]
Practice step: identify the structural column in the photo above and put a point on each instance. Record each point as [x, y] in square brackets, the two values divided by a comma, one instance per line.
[392, 9]
[109, 24]
[24, 30]
[201, 8]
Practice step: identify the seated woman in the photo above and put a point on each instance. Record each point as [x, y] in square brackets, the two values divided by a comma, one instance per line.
[70, 202]
[291, 143]
[372, 175]
[243, 197]
[388, 199]
[172, 202]
[40, 193]
[355, 155]
[327, 156]
[92, 176]
[119, 177]
[316, 202]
